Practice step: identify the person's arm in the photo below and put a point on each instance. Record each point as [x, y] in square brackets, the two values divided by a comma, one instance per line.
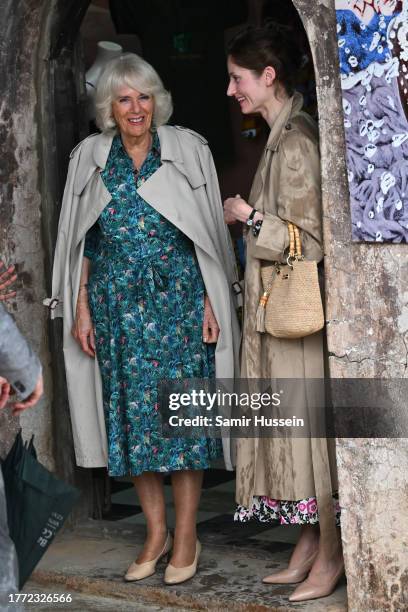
[62, 247]
[299, 200]
[237, 209]
[298, 197]
[224, 240]
[19, 365]
[83, 327]
[32, 399]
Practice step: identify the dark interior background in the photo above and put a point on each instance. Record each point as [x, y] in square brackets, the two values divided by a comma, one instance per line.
[185, 42]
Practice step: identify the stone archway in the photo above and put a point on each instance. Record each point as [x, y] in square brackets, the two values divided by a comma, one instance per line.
[40, 121]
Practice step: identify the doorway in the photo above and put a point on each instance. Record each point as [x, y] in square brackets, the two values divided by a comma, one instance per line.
[190, 58]
[63, 126]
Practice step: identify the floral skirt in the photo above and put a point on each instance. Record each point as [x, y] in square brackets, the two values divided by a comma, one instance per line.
[285, 512]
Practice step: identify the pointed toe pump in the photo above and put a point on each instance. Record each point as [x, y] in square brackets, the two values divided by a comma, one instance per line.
[311, 589]
[138, 571]
[294, 575]
[176, 575]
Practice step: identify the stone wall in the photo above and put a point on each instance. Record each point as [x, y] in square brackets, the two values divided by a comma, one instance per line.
[367, 331]
[20, 202]
[41, 119]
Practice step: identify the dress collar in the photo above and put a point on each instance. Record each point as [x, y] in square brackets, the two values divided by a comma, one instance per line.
[111, 140]
[118, 150]
[172, 147]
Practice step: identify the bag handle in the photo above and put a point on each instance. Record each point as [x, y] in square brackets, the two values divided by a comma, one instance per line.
[295, 245]
[295, 253]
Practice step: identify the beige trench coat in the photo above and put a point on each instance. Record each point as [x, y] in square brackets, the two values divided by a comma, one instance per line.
[185, 191]
[286, 187]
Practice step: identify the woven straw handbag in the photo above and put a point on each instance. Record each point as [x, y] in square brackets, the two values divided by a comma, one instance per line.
[291, 305]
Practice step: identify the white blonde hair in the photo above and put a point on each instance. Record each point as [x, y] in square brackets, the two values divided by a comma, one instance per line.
[131, 70]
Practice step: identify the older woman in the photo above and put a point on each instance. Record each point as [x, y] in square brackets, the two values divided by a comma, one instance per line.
[287, 480]
[145, 272]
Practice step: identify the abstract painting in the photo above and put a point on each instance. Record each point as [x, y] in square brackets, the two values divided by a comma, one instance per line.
[373, 52]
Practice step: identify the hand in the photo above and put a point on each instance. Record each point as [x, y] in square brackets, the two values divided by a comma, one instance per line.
[211, 331]
[7, 278]
[31, 399]
[4, 391]
[236, 209]
[82, 329]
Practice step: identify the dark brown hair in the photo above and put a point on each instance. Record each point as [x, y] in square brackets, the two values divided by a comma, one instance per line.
[273, 45]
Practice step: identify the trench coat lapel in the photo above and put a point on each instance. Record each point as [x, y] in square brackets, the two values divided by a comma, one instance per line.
[90, 186]
[173, 191]
[93, 200]
[91, 158]
[172, 196]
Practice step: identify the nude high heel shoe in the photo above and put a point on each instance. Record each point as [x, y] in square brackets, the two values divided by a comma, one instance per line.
[311, 589]
[291, 576]
[138, 571]
[175, 575]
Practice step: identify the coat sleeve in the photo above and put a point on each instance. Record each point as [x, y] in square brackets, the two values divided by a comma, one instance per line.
[61, 254]
[223, 236]
[18, 362]
[298, 200]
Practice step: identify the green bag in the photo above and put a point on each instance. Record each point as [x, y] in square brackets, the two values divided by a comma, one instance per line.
[38, 504]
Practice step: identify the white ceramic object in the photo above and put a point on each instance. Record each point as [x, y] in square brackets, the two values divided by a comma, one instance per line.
[106, 51]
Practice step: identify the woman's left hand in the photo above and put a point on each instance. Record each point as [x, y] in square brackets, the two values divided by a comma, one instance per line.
[236, 209]
[211, 331]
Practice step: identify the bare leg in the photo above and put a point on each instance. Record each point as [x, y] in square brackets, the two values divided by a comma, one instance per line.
[186, 491]
[307, 544]
[328, 559]
[149, 487]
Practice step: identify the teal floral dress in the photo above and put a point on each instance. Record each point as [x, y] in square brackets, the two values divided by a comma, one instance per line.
[146, 296]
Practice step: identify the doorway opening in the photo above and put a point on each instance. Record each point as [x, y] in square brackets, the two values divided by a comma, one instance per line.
[185, 42]
[237, 146]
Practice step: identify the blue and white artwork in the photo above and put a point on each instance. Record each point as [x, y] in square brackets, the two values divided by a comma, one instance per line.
[373, 51]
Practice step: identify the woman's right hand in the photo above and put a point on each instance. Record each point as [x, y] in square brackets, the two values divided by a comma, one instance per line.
[236, 209]
[82, 330]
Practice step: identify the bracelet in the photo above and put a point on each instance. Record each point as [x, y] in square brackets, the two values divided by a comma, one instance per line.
[84, 286]
[256, 228]
[250, 220]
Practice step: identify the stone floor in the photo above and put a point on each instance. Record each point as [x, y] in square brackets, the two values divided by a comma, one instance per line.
[89, 563]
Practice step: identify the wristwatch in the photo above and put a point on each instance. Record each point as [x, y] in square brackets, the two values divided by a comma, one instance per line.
[250, 221]
[256, 228]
